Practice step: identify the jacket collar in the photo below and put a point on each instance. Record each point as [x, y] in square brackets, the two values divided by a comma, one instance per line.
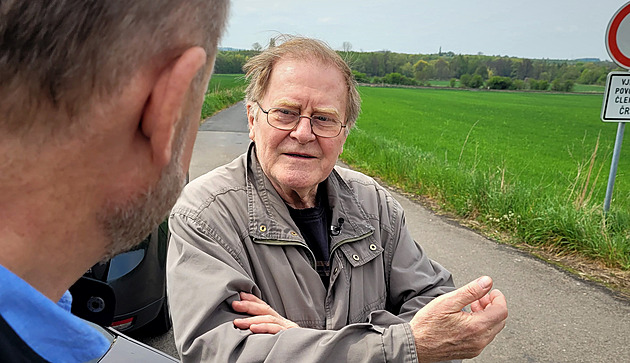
[269, 218]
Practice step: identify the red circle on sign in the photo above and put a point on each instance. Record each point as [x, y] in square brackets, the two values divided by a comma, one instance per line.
[611, 37]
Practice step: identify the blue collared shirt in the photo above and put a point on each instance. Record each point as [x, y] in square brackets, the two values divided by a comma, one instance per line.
[48, 328]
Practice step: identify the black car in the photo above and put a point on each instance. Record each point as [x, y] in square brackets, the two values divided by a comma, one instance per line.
[128, 291]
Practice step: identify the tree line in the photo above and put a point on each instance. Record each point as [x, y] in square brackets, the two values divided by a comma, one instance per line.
[469, 71]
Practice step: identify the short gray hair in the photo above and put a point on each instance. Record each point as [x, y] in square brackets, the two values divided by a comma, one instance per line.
[258, 69]
[62, 54]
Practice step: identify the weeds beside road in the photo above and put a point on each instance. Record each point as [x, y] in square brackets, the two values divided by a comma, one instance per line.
[224, 90]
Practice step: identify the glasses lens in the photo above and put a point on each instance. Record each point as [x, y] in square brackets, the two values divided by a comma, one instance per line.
[325, 127]
[282, 118]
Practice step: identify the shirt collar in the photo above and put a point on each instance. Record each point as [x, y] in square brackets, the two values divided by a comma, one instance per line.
[47, 327]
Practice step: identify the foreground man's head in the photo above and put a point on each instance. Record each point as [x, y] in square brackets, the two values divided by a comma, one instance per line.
[99, 105]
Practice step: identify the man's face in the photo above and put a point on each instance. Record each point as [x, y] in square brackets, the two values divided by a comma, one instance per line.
[297, 159]
[126, 224]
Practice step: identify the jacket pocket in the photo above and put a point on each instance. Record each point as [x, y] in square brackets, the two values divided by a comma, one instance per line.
[360, 253]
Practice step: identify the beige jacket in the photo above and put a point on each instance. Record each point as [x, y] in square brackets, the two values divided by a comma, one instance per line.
[231, 232]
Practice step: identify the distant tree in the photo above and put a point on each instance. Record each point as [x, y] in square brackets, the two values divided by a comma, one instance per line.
[256, 47]
[407, 70]
[522, 68]
[442, 70]
[570, 73]
[501, 67]
[545, 76]
[459, 66]
[482, 70]
[347, 46]
[422, 71]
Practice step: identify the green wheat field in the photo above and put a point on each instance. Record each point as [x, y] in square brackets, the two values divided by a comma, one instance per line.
[534, 165]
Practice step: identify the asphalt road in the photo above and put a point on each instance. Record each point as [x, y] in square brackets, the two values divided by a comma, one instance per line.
[554, 316]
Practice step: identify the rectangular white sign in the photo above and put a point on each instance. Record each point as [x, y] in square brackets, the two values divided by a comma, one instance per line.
[616, 106]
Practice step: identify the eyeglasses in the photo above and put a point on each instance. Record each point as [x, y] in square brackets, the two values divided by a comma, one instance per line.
[322, 125]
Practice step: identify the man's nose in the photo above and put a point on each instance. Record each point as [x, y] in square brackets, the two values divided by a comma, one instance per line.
[303, 131]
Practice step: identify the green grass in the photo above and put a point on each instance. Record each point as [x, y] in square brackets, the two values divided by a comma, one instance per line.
[591, 88]
[528, 164]
[226, 81]
[223, 90]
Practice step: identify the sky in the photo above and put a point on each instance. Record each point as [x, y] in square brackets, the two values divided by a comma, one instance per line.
[553, 29]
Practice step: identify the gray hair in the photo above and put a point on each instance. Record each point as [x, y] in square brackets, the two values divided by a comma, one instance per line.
[258, 69]
[62, 55]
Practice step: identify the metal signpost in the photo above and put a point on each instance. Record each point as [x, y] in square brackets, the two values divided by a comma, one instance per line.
[616, 107]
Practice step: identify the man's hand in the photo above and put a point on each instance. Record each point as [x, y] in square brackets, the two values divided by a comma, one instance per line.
[442, 331]
[264, 319]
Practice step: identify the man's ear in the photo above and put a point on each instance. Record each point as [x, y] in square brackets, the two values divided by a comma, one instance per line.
[168, 101]
[250, 119]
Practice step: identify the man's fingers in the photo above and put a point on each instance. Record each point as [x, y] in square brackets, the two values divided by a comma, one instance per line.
[266, 328]
[245, 323]
[245, 296]
[497, 308]
[252, 305]
[468, 294]
[264, 324]
[481, 303]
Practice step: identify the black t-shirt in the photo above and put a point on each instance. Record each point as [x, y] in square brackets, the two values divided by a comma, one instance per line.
[313, 224]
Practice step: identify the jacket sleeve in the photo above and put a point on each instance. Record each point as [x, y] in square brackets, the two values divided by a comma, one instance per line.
[414, 279]
[204, 277]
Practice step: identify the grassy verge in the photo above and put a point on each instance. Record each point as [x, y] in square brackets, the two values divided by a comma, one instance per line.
[532, 167]
[592, 88]
[224, 90]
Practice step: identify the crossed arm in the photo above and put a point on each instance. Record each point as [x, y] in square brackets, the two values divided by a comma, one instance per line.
[442, 329]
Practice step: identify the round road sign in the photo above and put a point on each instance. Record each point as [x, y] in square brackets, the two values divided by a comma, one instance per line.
[618, 37]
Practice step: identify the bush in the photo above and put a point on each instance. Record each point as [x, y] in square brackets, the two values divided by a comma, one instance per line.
[537, 85]
[517, 84]
[397, 78]
[360, 77]
[464, 80]
[498, 82]
[469, 81]
[452, 83]
[476, 81]
[562, 85]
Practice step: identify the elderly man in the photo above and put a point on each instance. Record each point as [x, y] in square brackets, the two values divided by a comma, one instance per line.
[282, 256]
[99, 106]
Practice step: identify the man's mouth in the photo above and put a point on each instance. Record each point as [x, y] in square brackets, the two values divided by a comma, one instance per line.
[304, 156]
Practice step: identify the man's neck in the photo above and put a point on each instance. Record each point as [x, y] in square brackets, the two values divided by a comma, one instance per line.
[299, 199]
[48, 263]
[46, 238]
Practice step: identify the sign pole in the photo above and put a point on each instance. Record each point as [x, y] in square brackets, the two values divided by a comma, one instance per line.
[613, 166]
[616, 105]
